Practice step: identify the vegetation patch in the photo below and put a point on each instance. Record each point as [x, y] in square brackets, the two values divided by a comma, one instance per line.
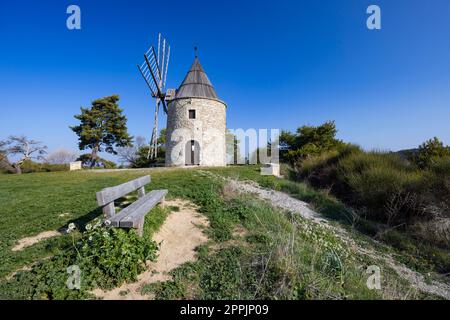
[106, 257]
[283, 257]
[280, 256]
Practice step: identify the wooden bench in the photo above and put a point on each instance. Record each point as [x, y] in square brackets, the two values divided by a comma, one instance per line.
[133, 215]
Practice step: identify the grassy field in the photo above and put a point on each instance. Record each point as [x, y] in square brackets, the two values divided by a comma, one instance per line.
[276, 255]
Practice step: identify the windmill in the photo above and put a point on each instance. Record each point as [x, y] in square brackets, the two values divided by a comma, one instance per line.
[154, 71]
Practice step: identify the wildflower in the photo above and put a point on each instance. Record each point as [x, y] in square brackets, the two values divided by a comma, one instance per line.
[71, 227]
[88, 227]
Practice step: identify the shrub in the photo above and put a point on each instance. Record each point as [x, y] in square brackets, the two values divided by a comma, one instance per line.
[429, 152]
[5, 165]
[86, 160]
[107, 257]
[382, 183]
[385, 188]
[29, 166]
[435, 231]
[312, 164]
[439, 181]
[143, 161]
[320, 170]
[362, 161]
[112, 256]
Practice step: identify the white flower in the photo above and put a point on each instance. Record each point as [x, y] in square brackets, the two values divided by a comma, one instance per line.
[71, 227]
[88, 227]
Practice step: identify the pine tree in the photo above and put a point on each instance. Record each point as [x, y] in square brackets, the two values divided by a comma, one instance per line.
[430, 151]
[102, 127]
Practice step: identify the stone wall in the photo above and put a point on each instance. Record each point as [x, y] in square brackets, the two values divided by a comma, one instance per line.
[208, 129]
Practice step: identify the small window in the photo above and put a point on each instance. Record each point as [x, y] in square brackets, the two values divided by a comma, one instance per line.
[191, 114]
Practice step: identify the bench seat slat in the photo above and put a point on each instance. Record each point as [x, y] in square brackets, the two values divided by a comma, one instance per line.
[134, 217]
[130, 216]
[115, 219]
[108, 195]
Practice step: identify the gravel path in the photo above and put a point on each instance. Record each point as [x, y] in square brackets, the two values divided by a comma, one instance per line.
[278, 199]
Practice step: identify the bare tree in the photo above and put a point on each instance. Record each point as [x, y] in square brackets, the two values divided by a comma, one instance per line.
[25, 148]
[61, 156]
[129, 155]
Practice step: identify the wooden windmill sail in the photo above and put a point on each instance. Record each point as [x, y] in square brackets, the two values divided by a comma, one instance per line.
[154, 71]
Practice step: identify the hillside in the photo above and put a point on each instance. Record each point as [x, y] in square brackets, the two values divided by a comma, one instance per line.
[255, 238]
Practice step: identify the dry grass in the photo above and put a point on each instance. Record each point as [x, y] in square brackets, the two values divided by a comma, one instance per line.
[435, 231]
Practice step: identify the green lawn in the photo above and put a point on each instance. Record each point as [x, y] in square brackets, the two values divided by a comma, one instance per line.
[281, 256]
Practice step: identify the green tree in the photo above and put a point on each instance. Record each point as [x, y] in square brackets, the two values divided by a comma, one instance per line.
[307, 141]
[430, 151]
[102, 127]
[141, 157]
[232, 147]
[287, 140]
[322, 137]
[162, 138]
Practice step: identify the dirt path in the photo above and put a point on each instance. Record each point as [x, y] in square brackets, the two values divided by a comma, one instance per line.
[286, 202]
[278, 199]
[179, 236]
[29, 241]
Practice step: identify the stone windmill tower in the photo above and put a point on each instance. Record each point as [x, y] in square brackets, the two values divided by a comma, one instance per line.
[196, 122]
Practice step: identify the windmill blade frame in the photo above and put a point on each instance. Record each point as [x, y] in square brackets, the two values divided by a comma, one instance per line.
[154, 71]
[159, 94]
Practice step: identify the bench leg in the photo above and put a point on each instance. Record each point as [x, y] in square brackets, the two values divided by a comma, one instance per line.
[109, 210]
[140, 228]
[141, 192]
[162, 203]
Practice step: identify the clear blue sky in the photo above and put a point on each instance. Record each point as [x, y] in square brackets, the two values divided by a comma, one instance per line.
[277, 64]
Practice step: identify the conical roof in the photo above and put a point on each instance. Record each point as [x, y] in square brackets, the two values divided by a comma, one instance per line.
[196, 84]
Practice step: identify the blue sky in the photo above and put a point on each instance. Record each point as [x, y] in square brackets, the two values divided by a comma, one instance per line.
[277, 64]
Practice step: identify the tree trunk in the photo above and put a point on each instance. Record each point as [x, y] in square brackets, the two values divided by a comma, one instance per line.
[94, 156]
[18, 169]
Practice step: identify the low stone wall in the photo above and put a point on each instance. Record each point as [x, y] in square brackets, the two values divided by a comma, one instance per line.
[75, 165]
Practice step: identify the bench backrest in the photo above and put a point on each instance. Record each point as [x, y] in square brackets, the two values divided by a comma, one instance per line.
[107, 196]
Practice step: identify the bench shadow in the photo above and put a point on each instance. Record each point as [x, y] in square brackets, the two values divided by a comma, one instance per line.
[82, 221]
